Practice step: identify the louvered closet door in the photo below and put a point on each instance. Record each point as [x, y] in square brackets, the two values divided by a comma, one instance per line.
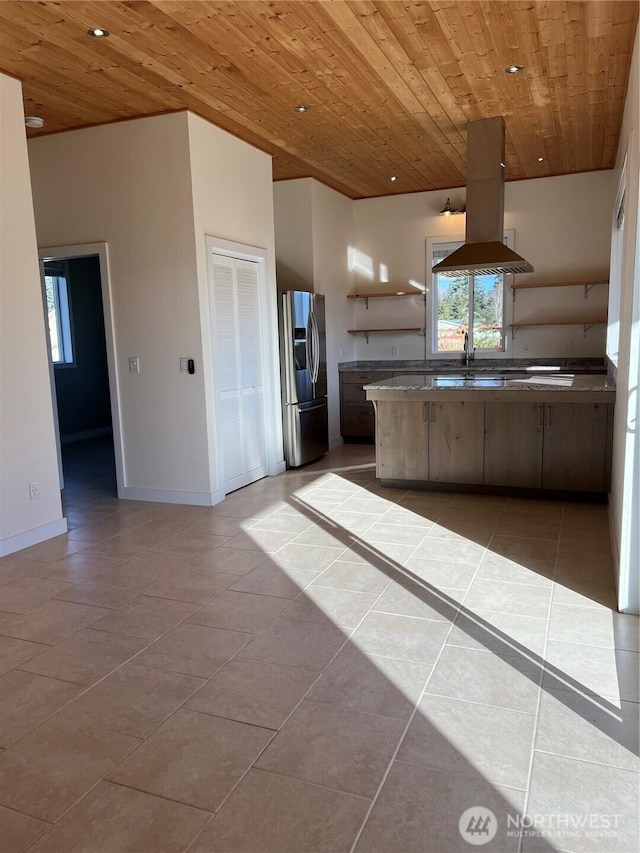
[239, 372]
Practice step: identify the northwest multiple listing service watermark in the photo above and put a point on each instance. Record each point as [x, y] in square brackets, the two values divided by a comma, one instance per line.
[479, 826]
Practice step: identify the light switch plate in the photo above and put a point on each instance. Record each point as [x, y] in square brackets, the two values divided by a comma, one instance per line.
[134, 365]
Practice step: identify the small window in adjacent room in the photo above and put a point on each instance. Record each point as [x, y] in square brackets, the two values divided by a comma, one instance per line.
[58, 313]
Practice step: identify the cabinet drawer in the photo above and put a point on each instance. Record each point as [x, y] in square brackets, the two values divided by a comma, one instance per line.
[358, 420]
[365, 378]
[353, 394]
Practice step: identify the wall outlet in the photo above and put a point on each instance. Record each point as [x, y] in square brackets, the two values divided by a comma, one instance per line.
[525, 348]
[134, 365]
[567, 346]
[34, 490]
[395, 349]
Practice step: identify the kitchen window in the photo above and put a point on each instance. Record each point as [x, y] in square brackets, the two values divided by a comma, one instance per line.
[58, 314]
[476, 305]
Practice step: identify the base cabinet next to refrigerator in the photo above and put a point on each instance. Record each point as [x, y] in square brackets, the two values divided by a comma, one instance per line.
[357, 418]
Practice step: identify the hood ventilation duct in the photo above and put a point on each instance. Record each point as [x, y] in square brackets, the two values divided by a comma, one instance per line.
[483, 251]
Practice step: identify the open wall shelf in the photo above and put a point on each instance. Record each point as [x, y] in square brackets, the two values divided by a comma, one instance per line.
[395, 294]
[525, 285]
[586, 324]
[367, 332]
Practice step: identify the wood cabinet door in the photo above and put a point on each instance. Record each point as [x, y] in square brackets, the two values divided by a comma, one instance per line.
[402, 431]
[358, 421]
[575, 447]
[513, 435]
[356, 412]
[456, 442]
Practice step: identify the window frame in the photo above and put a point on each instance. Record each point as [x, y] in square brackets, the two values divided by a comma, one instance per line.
[614, 299]
[432, 304]
[64, 317]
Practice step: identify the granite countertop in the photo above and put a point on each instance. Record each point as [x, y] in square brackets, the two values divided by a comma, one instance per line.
[538, 387]
[480, 365]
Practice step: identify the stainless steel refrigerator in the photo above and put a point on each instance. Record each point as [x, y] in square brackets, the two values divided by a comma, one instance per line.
[303, 368]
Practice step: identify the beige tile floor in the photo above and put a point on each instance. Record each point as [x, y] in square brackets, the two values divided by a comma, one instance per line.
[317, 664]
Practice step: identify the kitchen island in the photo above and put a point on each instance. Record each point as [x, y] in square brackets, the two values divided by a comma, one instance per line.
[357, 421]
[539, 432]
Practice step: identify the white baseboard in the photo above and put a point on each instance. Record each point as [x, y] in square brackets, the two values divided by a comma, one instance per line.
[169, 496]
[87, 433]
[615, 552]
[278, 468]
[32, 537]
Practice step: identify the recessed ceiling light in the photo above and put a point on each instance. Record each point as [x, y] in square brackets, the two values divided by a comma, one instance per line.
[513, 69]
[540, 159]
[302, 109]
[33, 121]
[98, 32]
[393, 178]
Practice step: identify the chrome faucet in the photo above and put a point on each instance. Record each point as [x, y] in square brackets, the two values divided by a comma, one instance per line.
[468, 355]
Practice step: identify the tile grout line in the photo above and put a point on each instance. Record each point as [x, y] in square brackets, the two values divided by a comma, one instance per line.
[635, 772]
[398, 747]
[151, 642]
[141, 740]
[527, 797]
[393, 758]
[406, 729]
[348, 635]
[348, 639]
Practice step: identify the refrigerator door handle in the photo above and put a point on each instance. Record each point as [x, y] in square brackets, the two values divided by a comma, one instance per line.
[288, 349]
[309, 347]
[316, 347]
[321, 405]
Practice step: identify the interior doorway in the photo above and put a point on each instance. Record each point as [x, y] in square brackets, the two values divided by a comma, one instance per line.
[78, 320]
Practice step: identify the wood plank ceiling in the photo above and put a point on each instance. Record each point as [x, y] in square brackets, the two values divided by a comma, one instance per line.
[390, 85]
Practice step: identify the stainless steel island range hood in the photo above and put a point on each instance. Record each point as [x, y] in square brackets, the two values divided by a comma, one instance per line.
[483, 251]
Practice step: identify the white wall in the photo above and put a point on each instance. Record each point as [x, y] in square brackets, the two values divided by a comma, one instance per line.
[294, 238]
[624, 500]
[332, 233]
[232, 187]
[314, 229]
[562, 226]
[129, 184]
[27, 447]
